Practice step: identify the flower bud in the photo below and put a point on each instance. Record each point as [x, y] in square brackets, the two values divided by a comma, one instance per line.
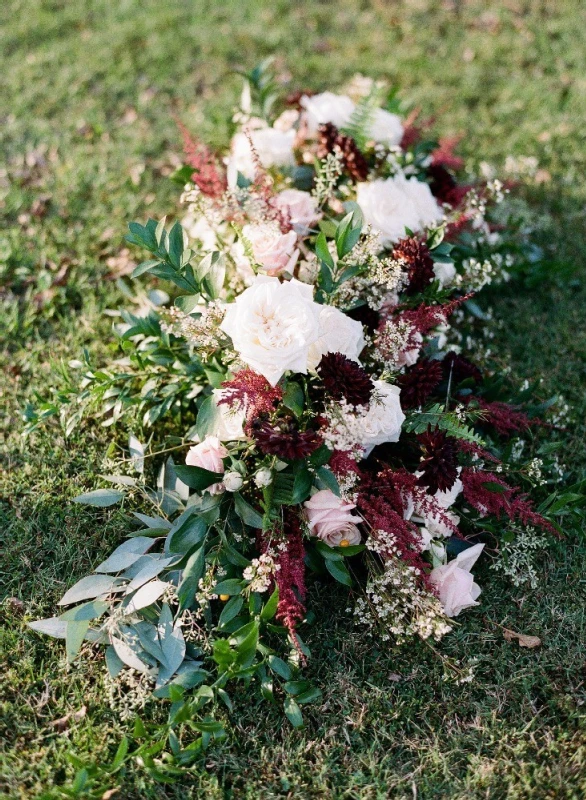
[264, 477]
[233, 481]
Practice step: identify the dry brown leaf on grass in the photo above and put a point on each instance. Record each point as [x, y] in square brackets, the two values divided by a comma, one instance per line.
[62, 724]
[524, 639]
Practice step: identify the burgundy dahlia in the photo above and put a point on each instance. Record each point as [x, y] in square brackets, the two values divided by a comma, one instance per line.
[439, 465]
[345, 378]
[419, 263]
[330, 140]
[283, 438]
[419, 382]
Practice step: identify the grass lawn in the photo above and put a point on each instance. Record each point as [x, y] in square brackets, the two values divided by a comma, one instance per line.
[90, 93]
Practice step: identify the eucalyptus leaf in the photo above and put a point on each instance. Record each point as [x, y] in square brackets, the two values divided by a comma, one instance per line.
[88, 588]
[102, 498]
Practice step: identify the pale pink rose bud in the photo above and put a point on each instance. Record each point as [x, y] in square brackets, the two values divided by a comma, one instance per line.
[274, 251]
[208, 455]
[455, 583]
[330, 519]
[300, 207]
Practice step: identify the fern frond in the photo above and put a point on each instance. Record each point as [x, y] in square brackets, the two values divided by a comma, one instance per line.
[445, 420]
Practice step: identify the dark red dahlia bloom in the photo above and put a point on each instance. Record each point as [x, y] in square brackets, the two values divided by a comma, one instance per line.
[460, 369]
[330, 140]
[419, 263]
[418, 382]
[345, 378]
[444, 186]
[283, 438]
[439, 465]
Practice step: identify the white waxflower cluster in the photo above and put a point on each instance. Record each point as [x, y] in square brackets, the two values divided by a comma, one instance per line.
[330, 170]
[535, 471]
[392, 345]
[128, 692]
[517, 560]
[203, 332]
[344, 428]
[261, 573]
[396, 602]
[205, 587]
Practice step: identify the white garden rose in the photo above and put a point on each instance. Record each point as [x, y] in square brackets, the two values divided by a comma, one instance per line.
[385, 128]
[427, 206]
[274, 251]
[300, 207]
[339, 334]
[228, 421]
[387, 209]
[448, 498]
[455, 583]
[327, 107]
[272, 326]
[445, 272]
[382, 423]
[274, 148]
[391, 205]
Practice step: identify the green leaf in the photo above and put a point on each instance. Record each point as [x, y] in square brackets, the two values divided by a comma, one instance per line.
[213, 281]
[190, 578]
[146, 266]
[246, 512]
[302, 485]
[322, 251]
[207, 417]
[176, 245]
[187, 302]
[231, 609]
[310, 696]
[339, 571]
[187, 535]
[87, 588]
[87, 611]
[347, 234]
[327, 480]
[270, 607]
[102, 498]
[321, 456]
[126, 554]
[293, 398]
[196, 477]
[120, 754]
[293, 712]
[279, 667]
[74, 636]
[182, 175]
[494, 487]
[229, 586]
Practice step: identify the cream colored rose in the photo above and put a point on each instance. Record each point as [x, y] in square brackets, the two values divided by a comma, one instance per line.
[382, 423]
[274, 148]
[274, 251]
[385, 128]
[330, 519]
[272, 326]
[327, 107]
[300, 207]
[455, 583]
[339, 334]
[393, 205]
[208, 455]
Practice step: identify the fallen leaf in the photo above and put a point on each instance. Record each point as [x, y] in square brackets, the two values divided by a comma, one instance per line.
[523, 639]
[62, 724]
[109, 793]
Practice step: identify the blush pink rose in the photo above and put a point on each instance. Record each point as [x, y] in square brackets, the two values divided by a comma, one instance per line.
[455, 583]
[301, 208]
[330, 519]
[208, 455]
[274, 251]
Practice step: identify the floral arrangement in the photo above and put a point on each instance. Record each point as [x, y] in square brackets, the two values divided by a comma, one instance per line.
[347, 426]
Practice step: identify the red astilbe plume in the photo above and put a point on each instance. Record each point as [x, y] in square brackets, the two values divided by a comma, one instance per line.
[263, 188]
[290, 577]
[506, 419]
[417, 257]
[283, 438]
[444, 154]
[478, 490]
[419, 382]
[474, 450]
[330, 140]
[424, 318]
[207, 175]
[439, 464]
[345, 378]
[252, 393]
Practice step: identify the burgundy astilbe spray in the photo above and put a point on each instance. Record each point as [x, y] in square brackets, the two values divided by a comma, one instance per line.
[251, 392]
[290, 577]
[488, 493]
[207, 175]
[505, 418]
